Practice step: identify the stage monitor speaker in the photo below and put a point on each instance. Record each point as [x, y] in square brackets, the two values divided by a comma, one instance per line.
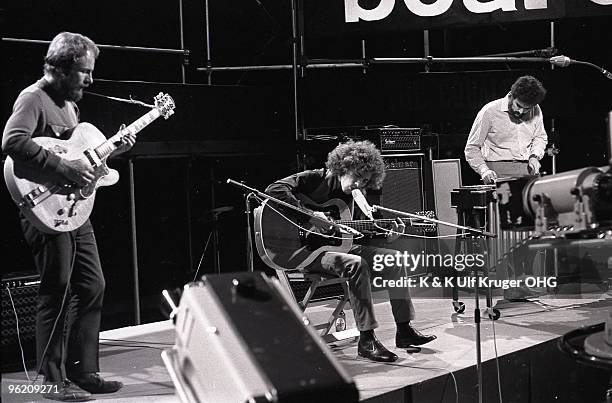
[19, 297]
[241, 338]
[446, 176]
[402, 188]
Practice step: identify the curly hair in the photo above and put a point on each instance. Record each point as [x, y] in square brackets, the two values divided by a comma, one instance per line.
[358, 157]
[65, 49]
[528, 89]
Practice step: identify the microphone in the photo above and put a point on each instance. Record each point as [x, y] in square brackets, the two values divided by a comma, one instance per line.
[561, 61]
[564, 61]
[362, 203]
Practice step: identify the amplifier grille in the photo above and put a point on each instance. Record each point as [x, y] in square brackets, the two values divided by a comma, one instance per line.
[392, 139]
[23, 289]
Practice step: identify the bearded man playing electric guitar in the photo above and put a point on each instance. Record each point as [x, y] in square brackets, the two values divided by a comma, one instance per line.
[72, 284]
[355, 165]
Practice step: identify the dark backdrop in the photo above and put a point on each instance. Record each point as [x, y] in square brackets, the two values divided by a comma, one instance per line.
[242, 126]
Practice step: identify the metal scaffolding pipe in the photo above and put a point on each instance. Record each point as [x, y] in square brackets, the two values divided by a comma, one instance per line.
[320, 64]
[281, 67]
[430, 59]
[183, 52]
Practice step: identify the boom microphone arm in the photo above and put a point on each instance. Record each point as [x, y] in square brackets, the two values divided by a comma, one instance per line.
[560, 61]
[433, 220]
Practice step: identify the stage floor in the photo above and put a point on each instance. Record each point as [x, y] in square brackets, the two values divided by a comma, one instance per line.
[132, 354]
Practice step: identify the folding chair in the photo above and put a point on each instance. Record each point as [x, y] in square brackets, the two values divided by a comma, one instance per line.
[337, 319]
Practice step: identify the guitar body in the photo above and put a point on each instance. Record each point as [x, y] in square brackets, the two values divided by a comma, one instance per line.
[281, 244]
[50, 207]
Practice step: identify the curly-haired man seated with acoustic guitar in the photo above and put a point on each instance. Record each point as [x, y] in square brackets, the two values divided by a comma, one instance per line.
[354, 165]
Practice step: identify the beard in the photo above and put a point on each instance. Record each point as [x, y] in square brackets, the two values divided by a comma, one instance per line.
[517, 115]
[74, 94]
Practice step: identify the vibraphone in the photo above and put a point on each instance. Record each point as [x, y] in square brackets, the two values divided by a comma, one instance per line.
[497, 209]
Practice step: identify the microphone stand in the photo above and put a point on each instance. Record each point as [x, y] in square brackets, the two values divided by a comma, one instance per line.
[433, 220]
[249, 237]
[476, 285]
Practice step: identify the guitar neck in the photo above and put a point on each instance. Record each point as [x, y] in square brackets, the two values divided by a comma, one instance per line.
[105, 149]
[372, 225]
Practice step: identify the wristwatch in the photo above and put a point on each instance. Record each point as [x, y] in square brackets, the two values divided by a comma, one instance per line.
[533, 156]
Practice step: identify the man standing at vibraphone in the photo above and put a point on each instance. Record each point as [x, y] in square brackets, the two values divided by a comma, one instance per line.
[508, 139]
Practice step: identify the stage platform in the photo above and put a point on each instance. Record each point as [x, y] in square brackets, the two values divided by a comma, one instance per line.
[524, 339]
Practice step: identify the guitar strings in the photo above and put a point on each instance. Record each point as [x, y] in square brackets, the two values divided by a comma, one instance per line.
[389, 231]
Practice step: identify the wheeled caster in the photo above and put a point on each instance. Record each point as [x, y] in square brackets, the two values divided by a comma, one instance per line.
[493, 313]
[458, 306]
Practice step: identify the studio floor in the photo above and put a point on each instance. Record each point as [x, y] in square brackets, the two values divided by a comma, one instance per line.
[132, 354]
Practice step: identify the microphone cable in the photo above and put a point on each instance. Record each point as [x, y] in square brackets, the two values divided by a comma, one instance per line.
[8, 290]
[202, 257]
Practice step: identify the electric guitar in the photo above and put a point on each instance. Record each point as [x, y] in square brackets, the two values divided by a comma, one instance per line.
[286, 243]
[55, 208]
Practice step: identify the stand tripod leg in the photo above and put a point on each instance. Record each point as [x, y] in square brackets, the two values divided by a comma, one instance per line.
[478, 346]
[458, 306]
[217, 254]
[249, 236]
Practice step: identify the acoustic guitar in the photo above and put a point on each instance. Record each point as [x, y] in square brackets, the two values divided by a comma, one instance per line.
[288, 242]
[55, 208]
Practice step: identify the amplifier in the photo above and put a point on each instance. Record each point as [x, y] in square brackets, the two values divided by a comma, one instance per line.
[393, 139]
[19, 297]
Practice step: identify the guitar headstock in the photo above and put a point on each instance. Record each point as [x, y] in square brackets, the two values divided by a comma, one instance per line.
[425, 225]
[426, 213]
[165, 104]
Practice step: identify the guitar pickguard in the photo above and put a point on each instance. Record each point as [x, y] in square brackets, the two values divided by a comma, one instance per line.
[99, 172]
[312, 239]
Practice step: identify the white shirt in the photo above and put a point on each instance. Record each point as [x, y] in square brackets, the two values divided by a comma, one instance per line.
[495, 136]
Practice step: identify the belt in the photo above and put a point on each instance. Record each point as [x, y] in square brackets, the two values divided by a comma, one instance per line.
[522, 161]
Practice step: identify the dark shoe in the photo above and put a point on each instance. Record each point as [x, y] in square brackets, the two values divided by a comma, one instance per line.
[94, 383]
[408, 336]
[373, 349]
[66, 392]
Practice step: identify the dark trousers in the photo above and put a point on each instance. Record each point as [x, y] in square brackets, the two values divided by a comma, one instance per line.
[357, 267]
[71, 277]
